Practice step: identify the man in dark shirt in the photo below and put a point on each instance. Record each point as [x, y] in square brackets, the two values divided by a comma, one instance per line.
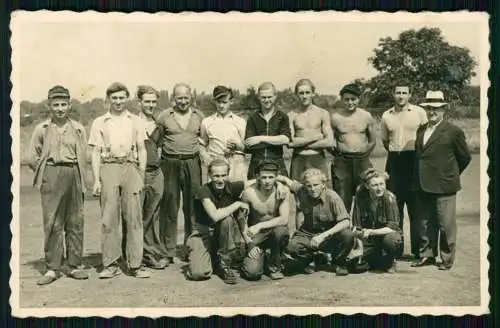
[155, 254]
[323, 225]
[267, 131]
[216, 208]
[179, 128]
[376, 219]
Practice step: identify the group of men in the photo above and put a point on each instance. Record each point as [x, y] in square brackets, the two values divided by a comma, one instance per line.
[240, 215]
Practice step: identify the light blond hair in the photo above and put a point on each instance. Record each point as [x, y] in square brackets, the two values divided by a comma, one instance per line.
[309, 173]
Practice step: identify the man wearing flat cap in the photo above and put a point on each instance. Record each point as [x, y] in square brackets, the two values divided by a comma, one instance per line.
[59, 158]
[442, 155]
[223, 134]
[119, 163]
[267, 223]
[354, 134]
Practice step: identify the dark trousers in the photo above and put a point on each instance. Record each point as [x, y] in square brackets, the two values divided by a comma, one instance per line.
[154, 249]
[380, 251]
[181, 175]
[300, 163]
[62, 208]
[346, 176]
[254, 161]
[274, 239]
[400, 167]
[338, 245]
[211, 246]
[437, 221]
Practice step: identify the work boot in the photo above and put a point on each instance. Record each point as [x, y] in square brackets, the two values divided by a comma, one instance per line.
[277, 275]
[227, 275]
[393, 268]
[109, 272]
[49, 277]
[78, 274]
[341, 270]
[140, 273]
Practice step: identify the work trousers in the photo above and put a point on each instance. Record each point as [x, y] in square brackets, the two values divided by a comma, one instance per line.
[346, 176]
[437, 222]
[275, 239]
[62, 210]
[154, 249]
[181, 175]
[338, 245]
[400, 167]
[380, 251]
[121, 204]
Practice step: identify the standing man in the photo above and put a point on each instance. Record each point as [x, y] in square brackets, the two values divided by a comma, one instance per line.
[119, 162]
[155, 254]
[399, 126]
[179, 128]
[311, 133]
[355, 139]
[267, 223]
[442, 155]
[59, 158]
[223, 134]
[322, 221]
[267, 131]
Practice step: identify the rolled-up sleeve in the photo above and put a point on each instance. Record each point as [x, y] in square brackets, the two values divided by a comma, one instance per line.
[337, 207]
[95, 137]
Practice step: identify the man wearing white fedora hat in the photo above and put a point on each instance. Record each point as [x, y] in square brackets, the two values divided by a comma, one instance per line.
[441, 156]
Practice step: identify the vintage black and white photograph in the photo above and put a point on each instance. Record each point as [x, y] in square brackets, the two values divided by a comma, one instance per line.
[286, 163]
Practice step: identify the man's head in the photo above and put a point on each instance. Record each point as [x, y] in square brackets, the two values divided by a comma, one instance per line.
[59, 102]
[401, 93]
[350, 95]
[267, 95]
[435, 106]
[267, 171]
[218, 170]
[182, 97]
[305, 90]
[148, 98]
[374, 182]
[223, 98]
[314, 180]
[117, 94]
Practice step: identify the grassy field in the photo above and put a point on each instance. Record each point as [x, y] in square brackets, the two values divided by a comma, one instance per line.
[470, 127]
[409, 287]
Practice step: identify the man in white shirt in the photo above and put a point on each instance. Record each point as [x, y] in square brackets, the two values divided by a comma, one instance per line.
[223, 134]
[399, 126]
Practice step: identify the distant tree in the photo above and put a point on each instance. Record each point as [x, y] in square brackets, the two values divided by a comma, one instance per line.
[250, 101]
[425, 59]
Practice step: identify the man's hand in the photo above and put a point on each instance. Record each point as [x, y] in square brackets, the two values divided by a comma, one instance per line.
[317, 240]
[367, 233]
[252, 141]
[253, 230]
[244, 206]
[234, 145]
[96, 190]
[254, 253]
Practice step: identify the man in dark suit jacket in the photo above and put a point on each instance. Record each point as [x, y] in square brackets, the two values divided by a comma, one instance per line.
[441, 156]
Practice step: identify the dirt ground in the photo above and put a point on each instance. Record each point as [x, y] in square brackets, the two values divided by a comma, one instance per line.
[168, 288]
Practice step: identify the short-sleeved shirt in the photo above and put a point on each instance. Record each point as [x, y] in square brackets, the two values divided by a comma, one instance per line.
[400, 128]
[219, 129]
[369, 213]
[177, 140]
[322, 213]
[221, 198]
[117, 136]
[278, 124]
[153, 158]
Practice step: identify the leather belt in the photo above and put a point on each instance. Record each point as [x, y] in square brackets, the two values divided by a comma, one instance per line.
[181, 156]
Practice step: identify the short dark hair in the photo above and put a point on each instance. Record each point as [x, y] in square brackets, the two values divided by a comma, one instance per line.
[401, 83]
[116, 87]
[146, 89]
[217, 162]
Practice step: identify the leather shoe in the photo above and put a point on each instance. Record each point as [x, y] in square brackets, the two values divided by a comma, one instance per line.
[444, 267]
[423, 262]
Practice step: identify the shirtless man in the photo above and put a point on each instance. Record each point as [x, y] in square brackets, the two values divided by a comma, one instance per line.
[354, 134]
[267, 221]
[311, 133]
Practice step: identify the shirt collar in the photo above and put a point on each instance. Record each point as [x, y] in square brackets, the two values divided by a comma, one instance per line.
[228, 115]
[108, 115]
[217, 192]
[147, 118]
[433, 126]
[321, 198]
[70, 122]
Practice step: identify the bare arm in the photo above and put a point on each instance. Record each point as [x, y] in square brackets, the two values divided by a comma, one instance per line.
[277, 221]
[96, 163]
[326, 129]
[370, 133]
[275, 140]
[384, 134]
[217, 214]
[344, 224]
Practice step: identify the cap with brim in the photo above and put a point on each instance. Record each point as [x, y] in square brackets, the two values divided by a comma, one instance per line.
[352, 89]
[58, 92]
[267, 165]
[221, 91]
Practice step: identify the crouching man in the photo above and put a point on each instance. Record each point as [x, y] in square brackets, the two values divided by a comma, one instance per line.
[267, 223]
[322, 221]
[376, 219]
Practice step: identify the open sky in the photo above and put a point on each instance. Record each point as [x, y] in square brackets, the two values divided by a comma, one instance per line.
[86, 55]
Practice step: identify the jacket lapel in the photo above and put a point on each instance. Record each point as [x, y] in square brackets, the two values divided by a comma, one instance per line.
[435, 135]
